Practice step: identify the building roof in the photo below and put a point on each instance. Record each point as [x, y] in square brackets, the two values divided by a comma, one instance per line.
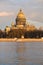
[21, 14]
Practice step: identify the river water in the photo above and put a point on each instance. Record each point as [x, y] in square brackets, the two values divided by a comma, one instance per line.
[24, 53]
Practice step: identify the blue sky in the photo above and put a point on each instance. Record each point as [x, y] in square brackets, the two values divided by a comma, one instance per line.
[33, 10]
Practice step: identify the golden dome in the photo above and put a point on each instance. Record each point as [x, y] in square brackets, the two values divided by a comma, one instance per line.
[20, 20]
[20, 14]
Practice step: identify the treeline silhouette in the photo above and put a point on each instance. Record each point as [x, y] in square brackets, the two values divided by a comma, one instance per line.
[17, 33]
[33, 34]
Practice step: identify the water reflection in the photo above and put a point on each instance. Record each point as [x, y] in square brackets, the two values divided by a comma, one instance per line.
[20, 53]
[12, 53]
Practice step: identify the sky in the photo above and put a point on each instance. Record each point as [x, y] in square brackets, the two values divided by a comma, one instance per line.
[33, 10]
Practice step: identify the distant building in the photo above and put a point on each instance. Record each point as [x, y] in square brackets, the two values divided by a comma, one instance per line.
[22, 29]
[20, 23]
[7, 29]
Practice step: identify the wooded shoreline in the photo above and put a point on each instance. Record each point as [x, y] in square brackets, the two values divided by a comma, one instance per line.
[20, 40]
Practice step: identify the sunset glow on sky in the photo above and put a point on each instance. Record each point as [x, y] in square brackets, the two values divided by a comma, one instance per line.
[33, 10]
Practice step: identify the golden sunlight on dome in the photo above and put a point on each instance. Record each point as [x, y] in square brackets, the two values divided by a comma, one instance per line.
[20, 19]
[20, 14]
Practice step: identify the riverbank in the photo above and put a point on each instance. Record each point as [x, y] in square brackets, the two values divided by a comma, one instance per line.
[20, 40]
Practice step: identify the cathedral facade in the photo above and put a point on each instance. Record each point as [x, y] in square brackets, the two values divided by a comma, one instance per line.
[21, 29]
[20, 23]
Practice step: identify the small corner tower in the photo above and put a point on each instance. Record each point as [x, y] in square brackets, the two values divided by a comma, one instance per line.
[12, 24]
[20, 20]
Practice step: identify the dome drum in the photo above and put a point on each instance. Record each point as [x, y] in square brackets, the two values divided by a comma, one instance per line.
[20, 21]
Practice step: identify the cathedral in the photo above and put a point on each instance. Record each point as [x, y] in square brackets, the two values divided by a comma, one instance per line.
[20, 29]
[20, 23]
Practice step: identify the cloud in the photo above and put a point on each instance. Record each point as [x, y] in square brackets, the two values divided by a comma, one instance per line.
[33, 15]
[32, 8]
[6, 13]
[39, 0]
